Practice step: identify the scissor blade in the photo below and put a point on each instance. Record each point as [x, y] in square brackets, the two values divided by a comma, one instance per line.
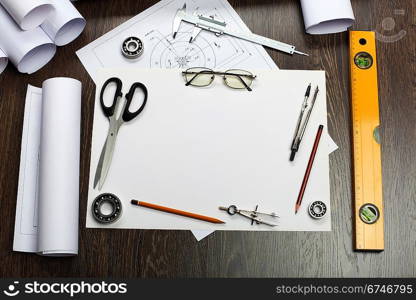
[108, 156]
[100, 165]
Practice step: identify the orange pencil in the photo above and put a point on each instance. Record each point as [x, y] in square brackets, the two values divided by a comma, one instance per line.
[177, 212]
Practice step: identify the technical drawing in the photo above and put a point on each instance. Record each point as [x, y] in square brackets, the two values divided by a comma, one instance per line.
[204, 52]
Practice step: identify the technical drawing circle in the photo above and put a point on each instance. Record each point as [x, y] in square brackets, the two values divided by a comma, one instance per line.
[132, 47]
[178, 53]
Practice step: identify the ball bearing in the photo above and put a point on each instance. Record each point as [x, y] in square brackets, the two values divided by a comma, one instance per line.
[317, 209]
[115, 204]
[132, 47]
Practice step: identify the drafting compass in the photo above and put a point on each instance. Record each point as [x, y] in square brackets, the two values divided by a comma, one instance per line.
[253, 215]
[219, 28]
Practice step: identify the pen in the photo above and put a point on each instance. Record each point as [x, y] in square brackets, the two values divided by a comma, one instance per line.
[302, 111]
[177, 212]
[309, 168]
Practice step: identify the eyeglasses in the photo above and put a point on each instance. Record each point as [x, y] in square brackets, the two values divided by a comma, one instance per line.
[236, 79]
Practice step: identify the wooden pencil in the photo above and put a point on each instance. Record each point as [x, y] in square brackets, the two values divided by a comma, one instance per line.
[309, 168]
[177, 212]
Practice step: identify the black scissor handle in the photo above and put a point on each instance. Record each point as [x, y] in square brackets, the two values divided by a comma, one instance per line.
[109, 110]
[127, 115]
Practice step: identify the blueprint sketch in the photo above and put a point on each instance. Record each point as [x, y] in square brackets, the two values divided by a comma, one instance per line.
[154, 27]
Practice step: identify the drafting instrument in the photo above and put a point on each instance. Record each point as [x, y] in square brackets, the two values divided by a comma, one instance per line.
[177, 212]
[132, 47]
[303, 122]
[115, 123]
[299, 122]
[220, 28]
[253, 215]
[97, 208]
[309, 168]
[317, 209]
[368, 203]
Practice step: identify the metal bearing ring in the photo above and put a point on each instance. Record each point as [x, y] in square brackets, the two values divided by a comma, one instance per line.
[97, 204]
[132, 47]
[317, 209]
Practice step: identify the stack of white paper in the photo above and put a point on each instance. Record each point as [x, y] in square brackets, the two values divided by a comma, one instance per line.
[196, 149]
[154, 27]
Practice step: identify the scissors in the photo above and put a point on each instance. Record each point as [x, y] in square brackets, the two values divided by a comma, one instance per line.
[115, 123]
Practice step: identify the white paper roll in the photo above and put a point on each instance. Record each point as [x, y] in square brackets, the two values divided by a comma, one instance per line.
[28, 14]
[3, 61]
[327, 16]
[65, 24]
[27, 50]
[59, 167]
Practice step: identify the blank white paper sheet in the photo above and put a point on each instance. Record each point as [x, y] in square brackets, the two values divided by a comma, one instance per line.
[196, 149]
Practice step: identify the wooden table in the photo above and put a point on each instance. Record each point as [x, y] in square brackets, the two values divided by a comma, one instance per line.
[169, 254]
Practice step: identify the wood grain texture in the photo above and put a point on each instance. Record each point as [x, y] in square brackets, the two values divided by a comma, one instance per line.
[170, 254]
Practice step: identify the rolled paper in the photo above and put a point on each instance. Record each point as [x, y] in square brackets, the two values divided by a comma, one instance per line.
[59, 167]
[327, 16]
[28, 14]
[65, 24]
[3, 61]
[48, 191]
[28, 50]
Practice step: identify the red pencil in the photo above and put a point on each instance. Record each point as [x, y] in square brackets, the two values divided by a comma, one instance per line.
[309, 168]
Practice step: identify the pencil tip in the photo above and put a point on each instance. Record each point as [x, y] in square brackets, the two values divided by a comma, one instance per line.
[296, 208]
[135, 202]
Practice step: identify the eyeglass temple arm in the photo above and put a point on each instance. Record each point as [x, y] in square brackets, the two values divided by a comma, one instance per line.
[245, 84]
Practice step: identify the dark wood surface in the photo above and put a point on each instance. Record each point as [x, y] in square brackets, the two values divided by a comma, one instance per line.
[169, 254]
